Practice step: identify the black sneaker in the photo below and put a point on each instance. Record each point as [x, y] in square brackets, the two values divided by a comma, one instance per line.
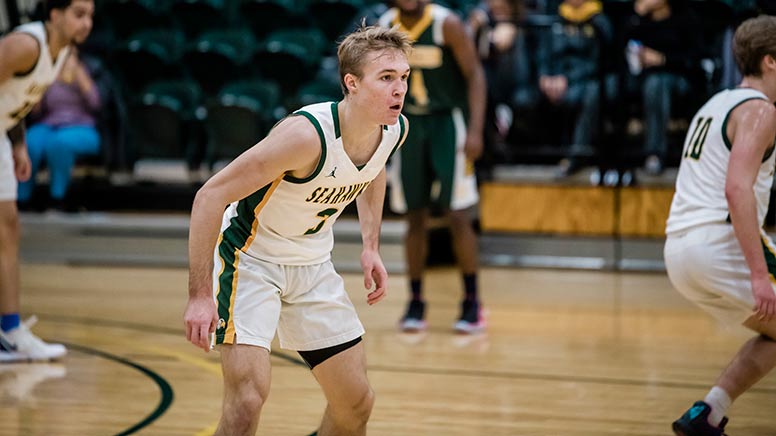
[472, 319]
[695, 422]
[414, 319]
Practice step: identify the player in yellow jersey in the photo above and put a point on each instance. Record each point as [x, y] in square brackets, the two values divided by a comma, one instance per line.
[269, 267]
[446, 107]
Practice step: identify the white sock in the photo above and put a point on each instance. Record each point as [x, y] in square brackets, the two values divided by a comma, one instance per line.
[719, 400]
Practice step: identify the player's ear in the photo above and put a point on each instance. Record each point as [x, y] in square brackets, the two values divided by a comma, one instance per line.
[351, 82]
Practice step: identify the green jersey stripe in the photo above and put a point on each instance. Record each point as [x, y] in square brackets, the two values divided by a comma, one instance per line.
[321, 161]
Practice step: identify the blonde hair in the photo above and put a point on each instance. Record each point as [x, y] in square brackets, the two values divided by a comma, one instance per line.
[352, 51]
[754, 39]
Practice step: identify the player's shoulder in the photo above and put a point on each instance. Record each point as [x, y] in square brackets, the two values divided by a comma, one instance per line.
[297, 129]
[20, 49]
[756, 107]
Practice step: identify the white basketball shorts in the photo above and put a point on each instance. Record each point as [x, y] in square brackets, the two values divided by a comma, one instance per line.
[8, 183]
[706, 265]
[307, 305]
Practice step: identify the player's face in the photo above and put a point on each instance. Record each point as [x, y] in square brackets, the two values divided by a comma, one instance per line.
[410, 7]
[383, 84]
[75, 21]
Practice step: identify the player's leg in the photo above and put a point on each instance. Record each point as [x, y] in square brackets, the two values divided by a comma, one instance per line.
[692, 263]
[416, 253]
[246, 371]
[9, 236]
[319, 321]
[247, 296]
[754, 360]
[68, 143]
[348, 394]
[9, 260]
[16, 336]
[458, 192]
[411, 195]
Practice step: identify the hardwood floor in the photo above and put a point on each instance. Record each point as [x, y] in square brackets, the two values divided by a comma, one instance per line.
[567, 353]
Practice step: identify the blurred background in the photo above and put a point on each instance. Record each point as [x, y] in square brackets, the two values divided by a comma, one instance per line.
[187, 85]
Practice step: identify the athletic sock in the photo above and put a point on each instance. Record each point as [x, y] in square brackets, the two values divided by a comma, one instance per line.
[720, 401]
[9, 321]
[415, 289]
[470, 286]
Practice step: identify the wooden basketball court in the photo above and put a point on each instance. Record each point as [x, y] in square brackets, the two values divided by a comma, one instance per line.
[567, 353]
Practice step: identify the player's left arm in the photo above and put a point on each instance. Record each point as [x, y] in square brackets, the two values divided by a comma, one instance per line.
[462, 46]
[370, 215]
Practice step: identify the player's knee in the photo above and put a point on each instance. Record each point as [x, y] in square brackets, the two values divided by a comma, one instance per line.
[9, 224]
[361, 407]
[249, 400]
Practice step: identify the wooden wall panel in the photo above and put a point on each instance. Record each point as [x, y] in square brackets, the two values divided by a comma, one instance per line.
[644, 211]
[547, 209]
[575, 210]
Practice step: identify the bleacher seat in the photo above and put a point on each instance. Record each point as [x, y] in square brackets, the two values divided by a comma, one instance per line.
[147, 56]
[219, 56]
[198, 16]
[290, 56]
[332, 17]
[265, 16]
[127, 17]
[161, 119]
[240, 116]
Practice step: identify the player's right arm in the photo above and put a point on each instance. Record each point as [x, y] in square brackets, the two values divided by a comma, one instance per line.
[752, 127]
[18, 54]
[292, 147]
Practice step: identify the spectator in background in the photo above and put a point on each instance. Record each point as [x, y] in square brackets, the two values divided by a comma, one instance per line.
[500, 44]
[64, 130]
[569, 72]
[664, 45]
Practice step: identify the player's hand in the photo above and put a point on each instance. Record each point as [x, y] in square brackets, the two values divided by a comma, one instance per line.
[651, 58]
[473, 146]
[21, 163]
[764, 299]
[200, 319]
[374, 275]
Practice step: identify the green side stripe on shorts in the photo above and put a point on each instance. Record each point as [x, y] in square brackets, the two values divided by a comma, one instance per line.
[770, 258]
[234, 237]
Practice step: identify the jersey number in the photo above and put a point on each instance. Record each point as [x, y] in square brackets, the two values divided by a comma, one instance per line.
[418, 89]
[698, 138]
[324, 214]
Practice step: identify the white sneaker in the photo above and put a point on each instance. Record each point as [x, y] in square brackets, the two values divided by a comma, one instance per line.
[8, 350]
[27, 346]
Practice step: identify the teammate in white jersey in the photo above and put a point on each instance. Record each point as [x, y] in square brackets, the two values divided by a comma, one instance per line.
[30, 59]
[270, 263]
[716, 253]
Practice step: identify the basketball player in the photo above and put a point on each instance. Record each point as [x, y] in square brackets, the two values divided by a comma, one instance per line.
[446, 107]
[30, 59]
[716, 253]
[271, 266]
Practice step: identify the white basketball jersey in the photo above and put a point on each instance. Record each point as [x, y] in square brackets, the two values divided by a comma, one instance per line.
[20, 93]
[700, 185]
[289, 221]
